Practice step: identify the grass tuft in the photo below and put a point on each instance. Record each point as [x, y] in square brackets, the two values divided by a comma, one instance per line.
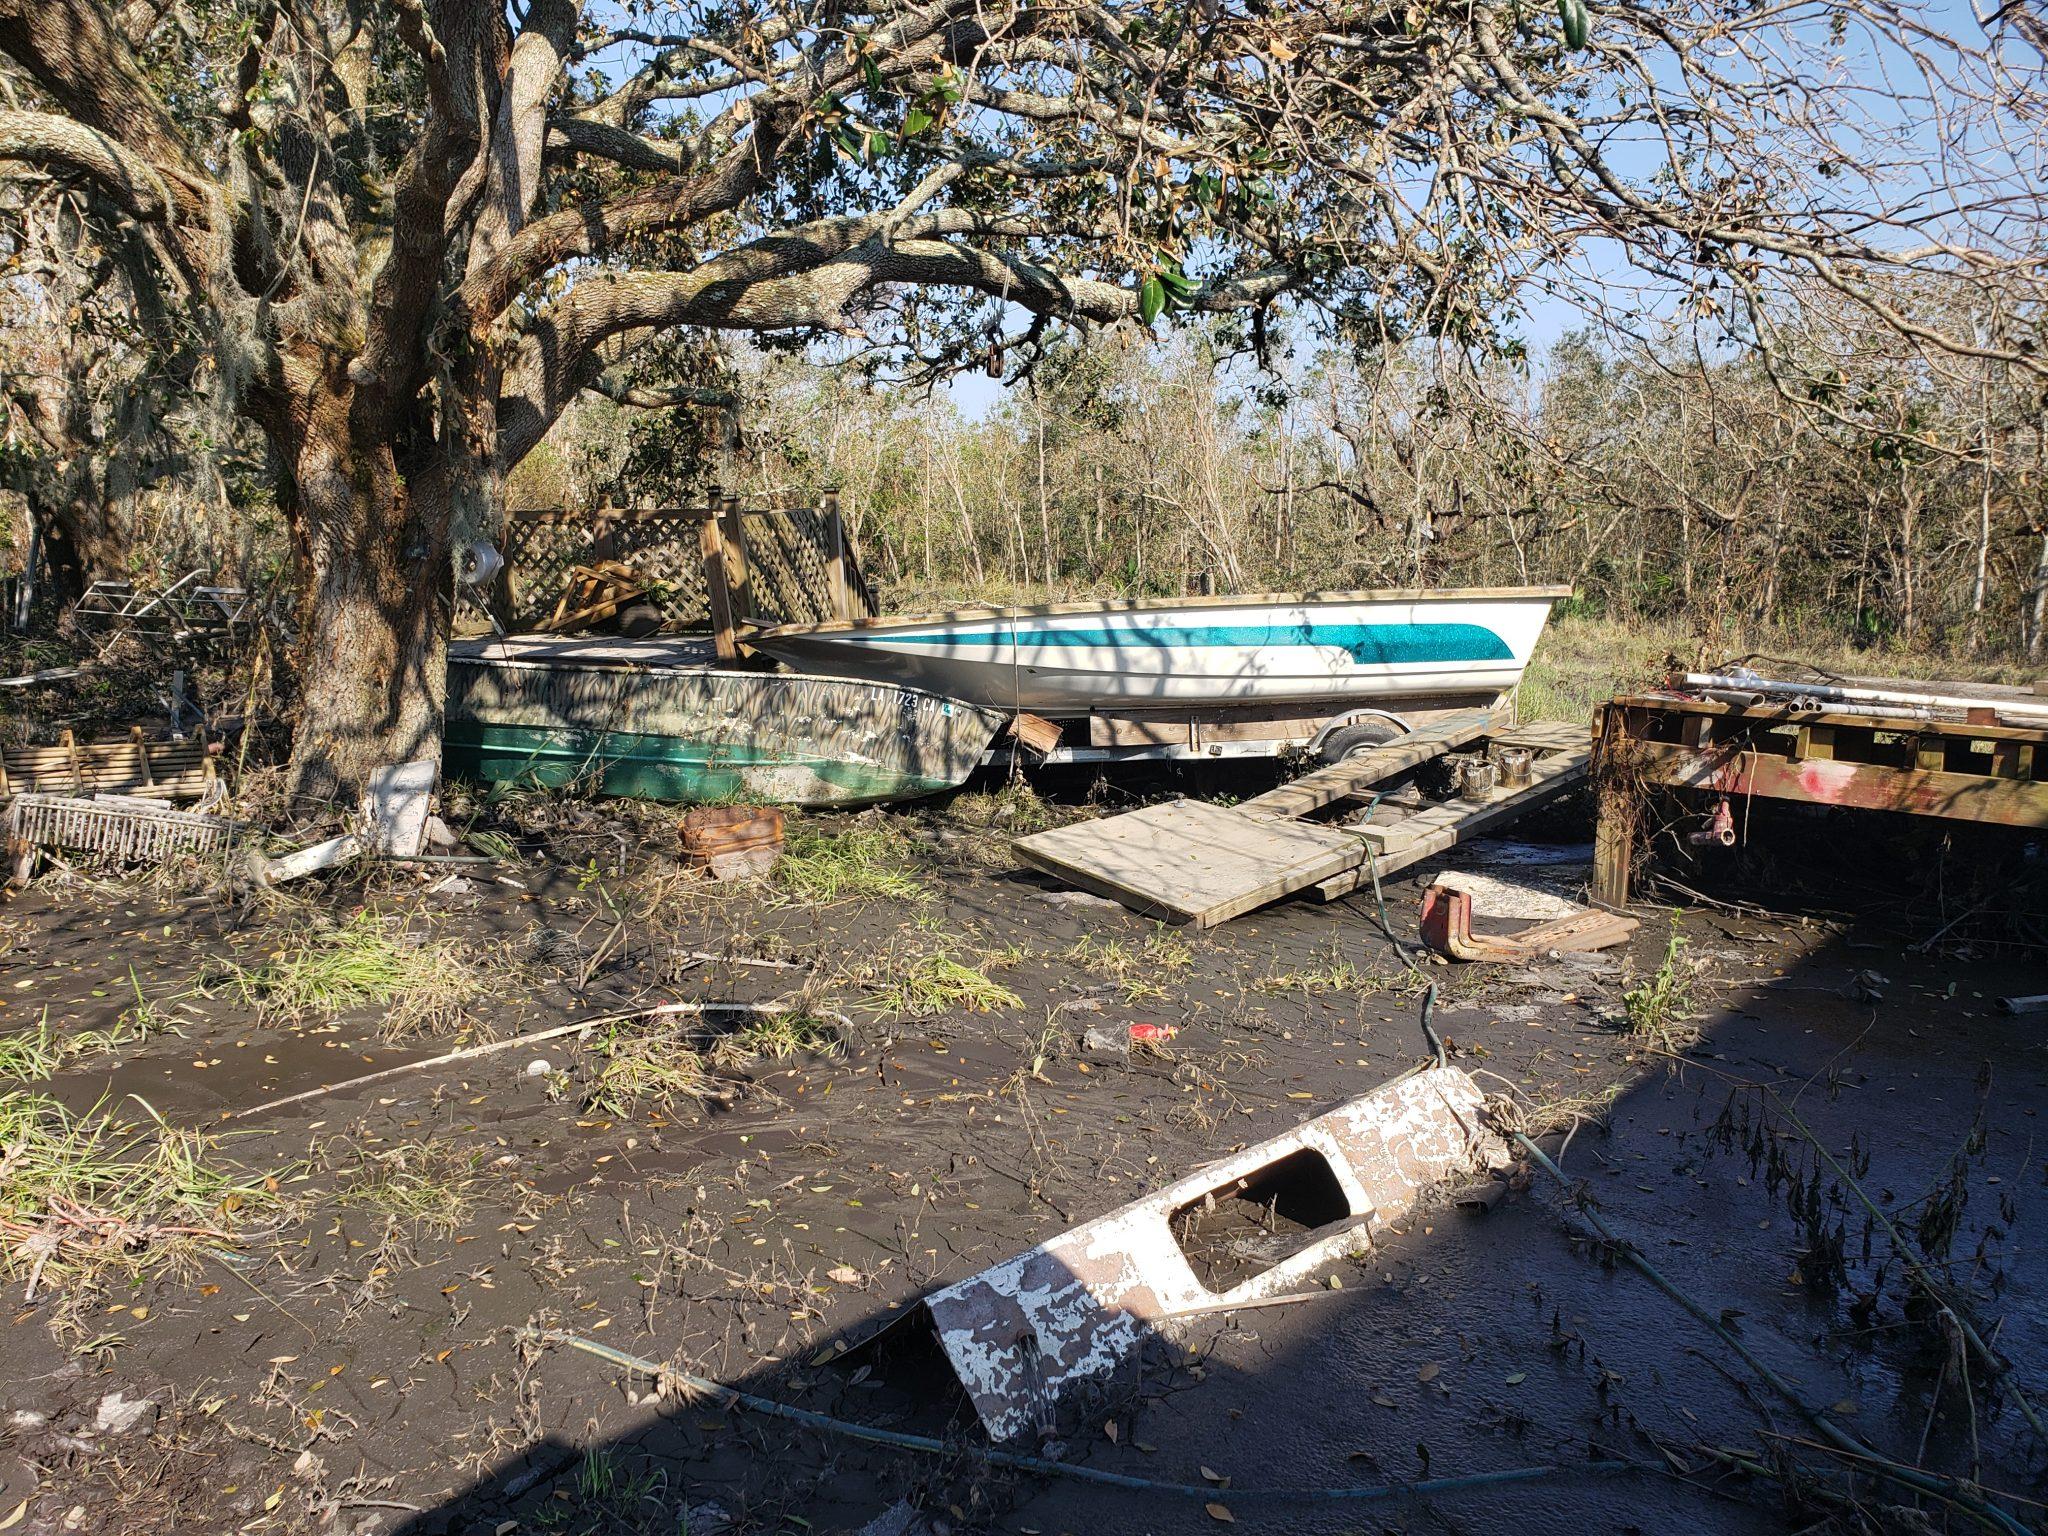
[84, 1199]
[427, 1183]
[865, 863]
[1133, 967]
[425, 984]
[1659, 1006]
[781, 1036]
[936, 984]
[649, 1065]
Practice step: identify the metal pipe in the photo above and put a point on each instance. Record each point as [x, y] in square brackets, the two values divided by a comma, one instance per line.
[1873, 698]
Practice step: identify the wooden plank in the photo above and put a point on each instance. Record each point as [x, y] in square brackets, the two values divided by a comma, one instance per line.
[1188, 861]
[1862, 786]
[1543, 735]
[1450, 822]
[838, 592]
[1341, 781]
[1115, 731]
[717, 594]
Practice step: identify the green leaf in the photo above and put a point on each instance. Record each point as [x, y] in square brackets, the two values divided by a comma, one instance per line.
[1178, 284]
[915, 121]
[844, 138]
[1151, 299]
[878, 145]
[872, 73]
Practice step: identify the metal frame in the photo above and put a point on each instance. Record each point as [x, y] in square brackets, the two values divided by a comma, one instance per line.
[1958, 770]
[188, 607]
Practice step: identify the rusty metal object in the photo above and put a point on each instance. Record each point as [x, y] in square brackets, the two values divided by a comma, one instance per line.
[1719, 827]
[1476, 778]
[1447, 929]
[732, 842]
[1072, 1309]
[1514, 763]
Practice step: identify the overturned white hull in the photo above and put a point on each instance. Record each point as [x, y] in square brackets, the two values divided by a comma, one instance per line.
[1343, 648]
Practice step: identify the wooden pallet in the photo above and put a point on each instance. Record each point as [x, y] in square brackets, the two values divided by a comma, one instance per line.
[1187, 861]
[127, 765]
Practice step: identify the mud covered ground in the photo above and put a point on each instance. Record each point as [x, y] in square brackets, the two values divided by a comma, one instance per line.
[358, 1357]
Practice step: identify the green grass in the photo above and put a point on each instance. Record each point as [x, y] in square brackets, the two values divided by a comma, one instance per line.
[645, 1066]
[426, 1183]
[862, 864]
[1583, 662]
[1658, 1006]
[781, 1036]
[1133, 967]
[41, 1052]
[936, 984]
[425, 984]
[1015, 810]
[1337, 974]
[84, 1198]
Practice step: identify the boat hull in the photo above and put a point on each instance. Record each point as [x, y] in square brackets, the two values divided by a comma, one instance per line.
[1069, 660]
[595, 716]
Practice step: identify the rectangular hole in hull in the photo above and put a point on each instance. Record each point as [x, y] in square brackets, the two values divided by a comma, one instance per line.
[1244, 1227]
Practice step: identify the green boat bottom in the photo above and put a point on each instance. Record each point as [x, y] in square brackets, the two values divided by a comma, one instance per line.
[647, 767]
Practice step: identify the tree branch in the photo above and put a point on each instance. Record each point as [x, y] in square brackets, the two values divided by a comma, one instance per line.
[59, 145]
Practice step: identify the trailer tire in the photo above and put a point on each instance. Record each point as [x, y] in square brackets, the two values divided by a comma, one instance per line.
[1358, 737]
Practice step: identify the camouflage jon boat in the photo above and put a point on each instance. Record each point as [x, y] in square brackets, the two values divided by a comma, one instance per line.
[658, 719]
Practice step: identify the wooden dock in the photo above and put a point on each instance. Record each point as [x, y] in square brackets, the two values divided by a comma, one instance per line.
[1187, 861]
[1970, 768]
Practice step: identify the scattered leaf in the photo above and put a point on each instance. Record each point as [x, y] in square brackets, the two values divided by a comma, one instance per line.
[1428, 1372]
[1518, 1378]
[1218, 1512]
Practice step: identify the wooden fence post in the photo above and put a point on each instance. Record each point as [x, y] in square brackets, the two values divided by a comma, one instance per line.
[835, 558]
[717, 592]
[739, 557]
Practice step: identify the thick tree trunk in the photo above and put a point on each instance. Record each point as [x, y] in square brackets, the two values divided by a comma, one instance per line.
[373, 620]
[87, 533]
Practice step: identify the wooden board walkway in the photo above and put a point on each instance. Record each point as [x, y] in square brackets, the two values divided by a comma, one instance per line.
[1343, 780]
[1188, 861]
[1411, 838]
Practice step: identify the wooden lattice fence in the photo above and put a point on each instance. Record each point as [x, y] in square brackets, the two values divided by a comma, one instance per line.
[779, 562]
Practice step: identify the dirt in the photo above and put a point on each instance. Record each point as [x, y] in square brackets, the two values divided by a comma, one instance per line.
[361, 1371]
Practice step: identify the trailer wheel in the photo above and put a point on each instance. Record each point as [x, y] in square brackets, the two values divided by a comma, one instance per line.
[1358, 737]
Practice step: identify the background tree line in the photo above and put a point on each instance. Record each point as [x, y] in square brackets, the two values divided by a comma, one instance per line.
[1874, 495]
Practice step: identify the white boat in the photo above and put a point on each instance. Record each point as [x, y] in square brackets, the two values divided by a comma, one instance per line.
[1290, 650]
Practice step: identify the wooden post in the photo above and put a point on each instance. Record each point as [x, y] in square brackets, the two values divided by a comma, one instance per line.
[1614, 834]
[739, 574]
[837, 586]
[1613, 848]
[717, 593]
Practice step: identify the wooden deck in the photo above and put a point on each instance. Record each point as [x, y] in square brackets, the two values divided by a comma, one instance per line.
[1188, 861]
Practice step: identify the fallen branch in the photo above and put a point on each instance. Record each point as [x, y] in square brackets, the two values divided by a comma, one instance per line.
[491, 1048]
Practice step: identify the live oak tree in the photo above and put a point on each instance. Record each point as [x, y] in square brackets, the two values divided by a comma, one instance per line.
[412, 231]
